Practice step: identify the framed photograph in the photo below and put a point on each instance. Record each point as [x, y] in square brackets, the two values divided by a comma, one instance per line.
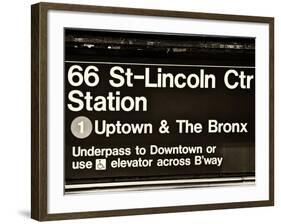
[138, 111]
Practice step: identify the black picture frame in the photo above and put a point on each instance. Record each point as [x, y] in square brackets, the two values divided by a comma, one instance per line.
[39, 108]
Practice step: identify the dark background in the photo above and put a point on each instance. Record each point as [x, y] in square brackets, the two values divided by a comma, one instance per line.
[196, 105]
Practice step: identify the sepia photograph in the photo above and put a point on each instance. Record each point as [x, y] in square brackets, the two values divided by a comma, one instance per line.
[119, 86]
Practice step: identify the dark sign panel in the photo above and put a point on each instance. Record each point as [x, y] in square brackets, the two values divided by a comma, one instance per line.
[147, 110]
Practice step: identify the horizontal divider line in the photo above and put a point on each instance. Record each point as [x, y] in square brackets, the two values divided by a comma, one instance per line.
[184, 181]
[175, 65]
